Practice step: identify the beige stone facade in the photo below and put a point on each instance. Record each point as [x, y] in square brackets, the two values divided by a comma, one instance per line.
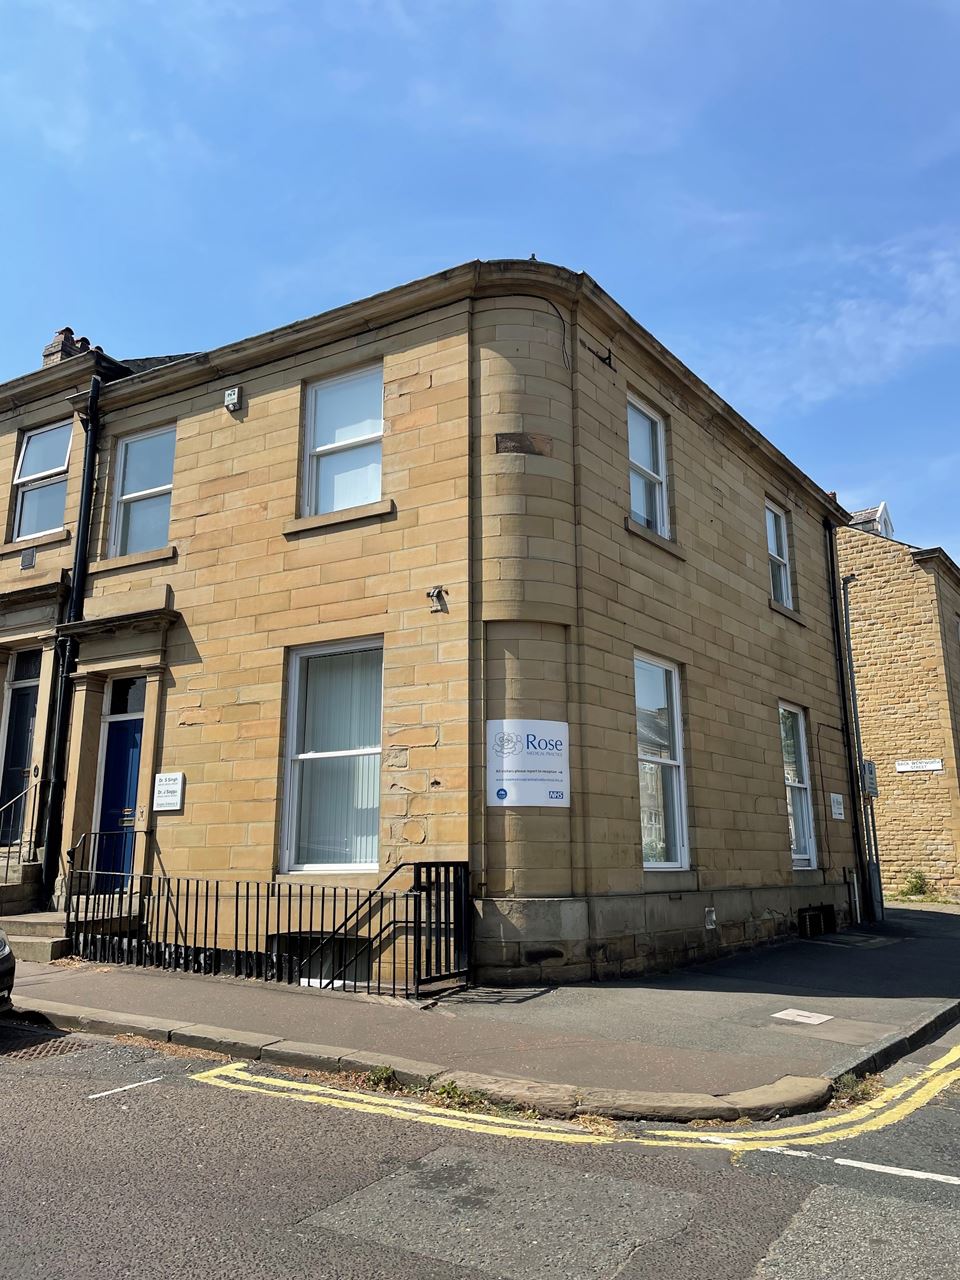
[506, 480]
[905, 630]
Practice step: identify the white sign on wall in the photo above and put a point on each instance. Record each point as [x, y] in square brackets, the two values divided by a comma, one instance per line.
[167, 792]
[919, 766]
[836, 805]
[528, 763]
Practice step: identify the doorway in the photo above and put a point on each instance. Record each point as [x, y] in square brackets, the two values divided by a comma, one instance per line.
[21, 714]
[121, 735]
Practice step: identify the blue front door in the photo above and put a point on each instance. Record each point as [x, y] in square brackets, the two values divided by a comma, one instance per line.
[115, 831]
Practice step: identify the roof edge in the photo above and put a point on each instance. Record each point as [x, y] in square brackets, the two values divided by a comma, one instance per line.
[937, 555]
[471, 279]
[54, 378]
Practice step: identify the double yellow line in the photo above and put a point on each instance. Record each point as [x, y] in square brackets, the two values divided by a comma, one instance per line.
[891, 1106]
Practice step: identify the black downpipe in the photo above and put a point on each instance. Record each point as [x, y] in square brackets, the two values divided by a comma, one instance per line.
[68, 648]
[853, 768]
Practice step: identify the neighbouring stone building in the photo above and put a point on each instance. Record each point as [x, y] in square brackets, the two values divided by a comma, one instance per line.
[905, 631]
[338, 569]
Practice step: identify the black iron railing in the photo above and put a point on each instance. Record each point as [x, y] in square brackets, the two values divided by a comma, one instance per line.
[443, 893]
[18, 827]
[382, 941]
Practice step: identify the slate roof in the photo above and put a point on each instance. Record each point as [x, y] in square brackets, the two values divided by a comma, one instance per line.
[142, 363]
[861, 517]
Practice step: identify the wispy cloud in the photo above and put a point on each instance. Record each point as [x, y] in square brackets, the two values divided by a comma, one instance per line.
[575, 77]
[94, 93]
[866, 316]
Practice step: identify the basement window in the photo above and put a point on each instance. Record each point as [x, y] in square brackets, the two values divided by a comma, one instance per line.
[344, 442]
[40, 481]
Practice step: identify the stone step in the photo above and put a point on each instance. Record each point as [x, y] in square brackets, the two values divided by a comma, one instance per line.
[19, 899]
[41, 950]
[35, 924]
[19, 872]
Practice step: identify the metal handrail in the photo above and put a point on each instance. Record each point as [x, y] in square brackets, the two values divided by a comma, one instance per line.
[8, 805]
[355, 915]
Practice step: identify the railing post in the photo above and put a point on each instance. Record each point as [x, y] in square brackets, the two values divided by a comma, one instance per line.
[417, 931]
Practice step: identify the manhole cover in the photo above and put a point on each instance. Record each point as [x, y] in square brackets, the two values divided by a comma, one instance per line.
[27, 1042]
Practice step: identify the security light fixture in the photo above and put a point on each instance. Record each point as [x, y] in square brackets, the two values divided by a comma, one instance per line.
[438, 603]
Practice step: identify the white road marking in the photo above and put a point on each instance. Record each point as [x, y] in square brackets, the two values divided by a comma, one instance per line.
[901, 1173]
[123, 1088]
[891, 1169]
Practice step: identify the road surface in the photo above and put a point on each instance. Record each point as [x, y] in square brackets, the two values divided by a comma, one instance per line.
[206, 1169]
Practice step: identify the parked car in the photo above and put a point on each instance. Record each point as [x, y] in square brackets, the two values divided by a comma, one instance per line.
[8, 967]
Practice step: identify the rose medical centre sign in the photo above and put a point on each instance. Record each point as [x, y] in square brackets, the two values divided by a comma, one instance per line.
[528, 763]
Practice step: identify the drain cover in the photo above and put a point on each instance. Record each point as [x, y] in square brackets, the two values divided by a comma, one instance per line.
[30, 1042]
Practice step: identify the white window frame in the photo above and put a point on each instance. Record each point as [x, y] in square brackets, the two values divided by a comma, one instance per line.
[659, 481]
[772, 555]
[38, 481]
[312, 453]
[291, 776]
[119, 499]
[675, 764]
[809, 861]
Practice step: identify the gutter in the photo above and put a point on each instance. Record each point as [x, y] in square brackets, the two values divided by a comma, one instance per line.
[67, 649]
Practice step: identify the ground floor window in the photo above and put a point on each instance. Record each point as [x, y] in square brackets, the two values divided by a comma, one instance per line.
[663, 825]
[796, 774]
[333, 759]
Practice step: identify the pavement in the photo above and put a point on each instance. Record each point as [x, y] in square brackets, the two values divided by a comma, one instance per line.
[699, 1042]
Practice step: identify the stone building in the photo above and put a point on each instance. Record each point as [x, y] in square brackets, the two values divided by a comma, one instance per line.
[471, 570]
[905, 631]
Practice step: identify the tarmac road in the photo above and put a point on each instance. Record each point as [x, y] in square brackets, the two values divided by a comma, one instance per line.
[247, 1172]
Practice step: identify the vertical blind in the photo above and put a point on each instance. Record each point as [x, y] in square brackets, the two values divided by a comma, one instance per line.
[337, 760]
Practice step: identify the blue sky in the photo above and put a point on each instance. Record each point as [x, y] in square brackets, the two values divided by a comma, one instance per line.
[771, 187]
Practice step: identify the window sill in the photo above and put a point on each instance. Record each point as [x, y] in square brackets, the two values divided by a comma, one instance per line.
[333, 519]
[670, 878]
[133, 561]
[641, 531]
[332, 868]
[39, 540]
[782, 609]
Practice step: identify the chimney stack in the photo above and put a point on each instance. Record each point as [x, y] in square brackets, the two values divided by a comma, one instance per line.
[63, 346]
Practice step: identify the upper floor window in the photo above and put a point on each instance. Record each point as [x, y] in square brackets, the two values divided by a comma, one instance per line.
[344, 438]
[663, 824]
[141, 500]
[648, 471]
[778, 546]
[41, 481]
